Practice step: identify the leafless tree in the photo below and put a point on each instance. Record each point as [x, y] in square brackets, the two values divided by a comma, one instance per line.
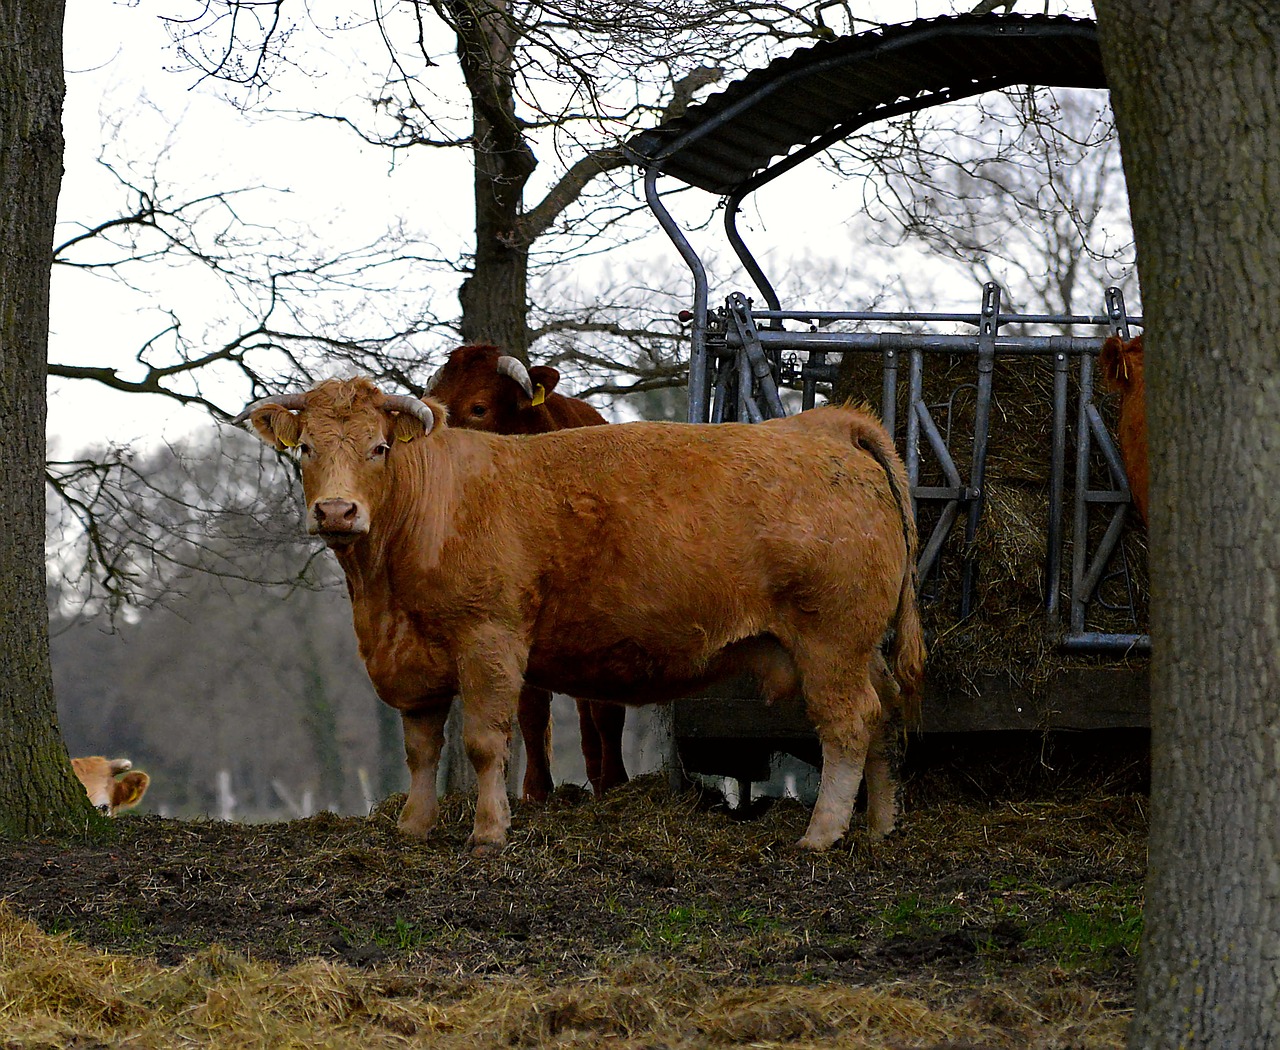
[1024, 188]
[539, 95]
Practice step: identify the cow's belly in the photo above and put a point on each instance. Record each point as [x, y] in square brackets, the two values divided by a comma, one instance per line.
[627, 672]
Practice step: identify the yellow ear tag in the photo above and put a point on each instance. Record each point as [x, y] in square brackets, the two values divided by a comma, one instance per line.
[288, 444]
[404, 437]
[539, 395]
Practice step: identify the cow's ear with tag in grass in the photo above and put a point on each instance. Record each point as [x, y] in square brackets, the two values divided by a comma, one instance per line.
[277, 426]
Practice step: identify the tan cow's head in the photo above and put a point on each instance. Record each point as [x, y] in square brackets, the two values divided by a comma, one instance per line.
[106, 788]
[345, 432]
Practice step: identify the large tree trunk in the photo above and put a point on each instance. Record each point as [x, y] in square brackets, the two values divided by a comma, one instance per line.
[495, 297]
[1197, 98]
[38, 792]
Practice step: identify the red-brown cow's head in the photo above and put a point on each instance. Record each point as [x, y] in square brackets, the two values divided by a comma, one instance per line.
[485, 389]
[107, 790]
[345, 432]
[1121, 364]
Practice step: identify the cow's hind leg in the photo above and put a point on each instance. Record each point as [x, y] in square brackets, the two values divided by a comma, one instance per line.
[845, 711]
[601, 725]
[535, 728]
[883, 752]
[423, 741]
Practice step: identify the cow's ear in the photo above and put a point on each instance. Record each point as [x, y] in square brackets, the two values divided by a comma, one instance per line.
[1113, 363]
[129, 789]
[544, 379]
[277, 426]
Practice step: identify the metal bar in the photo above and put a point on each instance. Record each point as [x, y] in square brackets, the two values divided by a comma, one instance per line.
[1097, 642]
[724, 392]
[809, 381]
[981, 428]
[732, 203]
[1080, 524]
[1110, 453]
[1093, 576]
[822, 318]
[929, 555]
[738, 309]
[699, 385]
[889, 392]
[939, 446]
[1118, 320]
[1057, 481]
[748, 411]
[915, 385]
[1037, 345]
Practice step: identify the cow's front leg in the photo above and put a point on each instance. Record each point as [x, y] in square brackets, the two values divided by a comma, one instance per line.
[491, 676]
[423, 741]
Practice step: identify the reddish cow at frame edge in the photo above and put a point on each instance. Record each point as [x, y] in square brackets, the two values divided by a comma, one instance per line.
[485, 389]
[1121, 365]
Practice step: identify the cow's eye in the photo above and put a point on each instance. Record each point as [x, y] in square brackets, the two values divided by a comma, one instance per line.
[380, 450]
[304, 449]
[479, 410]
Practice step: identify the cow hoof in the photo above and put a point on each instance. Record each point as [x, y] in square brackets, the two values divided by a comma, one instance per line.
[483, 849]
[817, 843]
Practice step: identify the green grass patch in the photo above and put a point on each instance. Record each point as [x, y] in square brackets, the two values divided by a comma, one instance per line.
[912, 915]
[1089, 935]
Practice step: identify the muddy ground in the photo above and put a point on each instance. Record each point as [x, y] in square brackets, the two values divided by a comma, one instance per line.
[1015, 865]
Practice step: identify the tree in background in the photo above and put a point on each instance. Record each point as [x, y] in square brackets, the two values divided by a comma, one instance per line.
[1023, 187]
[506, 82]
[1197, 99]
[38, 792]
[244, 665]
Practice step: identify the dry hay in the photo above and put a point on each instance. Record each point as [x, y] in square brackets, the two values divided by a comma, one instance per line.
[56, 993]
[1007, 632]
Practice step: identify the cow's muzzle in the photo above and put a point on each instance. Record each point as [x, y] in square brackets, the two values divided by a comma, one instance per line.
[338, 521]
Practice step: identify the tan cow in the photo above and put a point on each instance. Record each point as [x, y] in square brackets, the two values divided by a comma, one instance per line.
[485, 389]
[625, 563]
[107, 790]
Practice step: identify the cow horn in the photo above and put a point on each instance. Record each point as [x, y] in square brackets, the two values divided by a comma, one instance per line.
[513, 368]
[414, 407]
[431, 383]
[293, 402]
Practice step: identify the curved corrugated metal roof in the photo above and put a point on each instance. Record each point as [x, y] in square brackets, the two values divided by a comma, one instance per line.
[840, 85]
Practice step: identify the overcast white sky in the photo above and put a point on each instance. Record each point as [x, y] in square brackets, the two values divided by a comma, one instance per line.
[117, 56]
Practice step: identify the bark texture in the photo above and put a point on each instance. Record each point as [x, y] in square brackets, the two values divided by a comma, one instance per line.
[1196, 90]
[494, 297]
[38, 792]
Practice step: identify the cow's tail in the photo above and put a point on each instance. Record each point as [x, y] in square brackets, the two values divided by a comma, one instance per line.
[907, 648]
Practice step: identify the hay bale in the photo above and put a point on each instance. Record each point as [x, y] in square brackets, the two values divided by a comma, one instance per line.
[1007, 631]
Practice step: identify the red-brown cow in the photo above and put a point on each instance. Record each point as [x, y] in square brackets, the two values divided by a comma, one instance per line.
[625, 563]
[107, 789]
[485, 389]
[1121, 365]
